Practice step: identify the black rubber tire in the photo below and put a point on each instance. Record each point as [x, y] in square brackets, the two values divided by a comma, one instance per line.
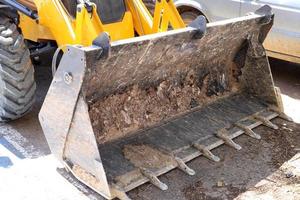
[17, 84]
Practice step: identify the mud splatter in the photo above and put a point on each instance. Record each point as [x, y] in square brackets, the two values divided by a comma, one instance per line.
[198, 192]
[137, 108]
[283, 149]
[144, 156]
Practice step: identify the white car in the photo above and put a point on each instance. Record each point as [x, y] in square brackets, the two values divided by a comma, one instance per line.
[284, 40]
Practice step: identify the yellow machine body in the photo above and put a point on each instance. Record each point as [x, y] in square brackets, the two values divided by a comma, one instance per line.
[55, 23]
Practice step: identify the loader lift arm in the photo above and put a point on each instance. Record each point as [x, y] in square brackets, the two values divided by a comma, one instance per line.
[56, 23]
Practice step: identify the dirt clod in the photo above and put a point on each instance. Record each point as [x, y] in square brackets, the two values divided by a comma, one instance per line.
[282, 142]
[143, 156]
[220, 183]
[137, 108]
[86, 177]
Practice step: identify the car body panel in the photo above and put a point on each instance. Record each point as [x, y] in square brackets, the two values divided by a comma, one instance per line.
[284, 40]
[285, 35]
[212, 8]
[196, 5]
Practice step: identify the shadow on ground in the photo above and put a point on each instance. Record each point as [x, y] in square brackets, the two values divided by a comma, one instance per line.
[238, 171]
[29, 126]
[286, 76]
[241, 171]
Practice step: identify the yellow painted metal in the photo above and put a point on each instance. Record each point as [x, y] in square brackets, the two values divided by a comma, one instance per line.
[121, 30]
[165, 14]
[53, 15]
[89, 26]
[31, 30]
[55, 23]
[142, 19]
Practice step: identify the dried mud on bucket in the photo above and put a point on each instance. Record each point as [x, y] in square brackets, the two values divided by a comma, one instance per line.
[144, 156]
[125, 113]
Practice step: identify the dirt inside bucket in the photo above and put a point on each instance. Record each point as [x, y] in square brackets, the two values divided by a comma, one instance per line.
[125, 113]
[144, 156]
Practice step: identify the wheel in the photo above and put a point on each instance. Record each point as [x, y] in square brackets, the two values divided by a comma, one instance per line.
[17, 84]
[189, 16]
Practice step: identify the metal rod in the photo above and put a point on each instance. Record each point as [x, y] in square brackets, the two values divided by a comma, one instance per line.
[21, 8]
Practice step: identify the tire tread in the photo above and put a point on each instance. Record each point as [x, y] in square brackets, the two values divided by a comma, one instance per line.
[17, 84]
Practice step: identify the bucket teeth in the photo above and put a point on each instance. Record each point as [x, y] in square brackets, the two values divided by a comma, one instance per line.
[285, 117]
[266, 122]
[206, 152]
[153, 179]
[248, 131]
[184, 167]
[224, 135]
[281, 114]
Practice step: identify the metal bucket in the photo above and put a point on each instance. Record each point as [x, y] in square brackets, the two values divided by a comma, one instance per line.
[122, 114]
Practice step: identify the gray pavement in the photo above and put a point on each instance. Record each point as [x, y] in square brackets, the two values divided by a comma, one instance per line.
[268, 169]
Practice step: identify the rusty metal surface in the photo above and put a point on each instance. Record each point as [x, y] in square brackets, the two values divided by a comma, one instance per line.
[177, 138]
[58, 108]
[147, 61]
[151, 79]
[168, 91]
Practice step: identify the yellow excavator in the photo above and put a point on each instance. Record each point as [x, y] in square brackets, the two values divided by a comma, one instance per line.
[134, 94]
[48, 24]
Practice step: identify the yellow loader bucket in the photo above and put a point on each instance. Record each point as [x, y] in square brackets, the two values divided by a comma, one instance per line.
[121, 114]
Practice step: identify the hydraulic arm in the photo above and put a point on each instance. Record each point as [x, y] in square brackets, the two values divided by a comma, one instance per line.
[56, 23]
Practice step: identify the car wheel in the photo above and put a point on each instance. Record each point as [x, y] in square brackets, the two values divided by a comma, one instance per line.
[189, 16]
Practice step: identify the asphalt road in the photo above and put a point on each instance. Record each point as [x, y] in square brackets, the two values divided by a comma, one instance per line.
[258, 171]
[268, 169]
